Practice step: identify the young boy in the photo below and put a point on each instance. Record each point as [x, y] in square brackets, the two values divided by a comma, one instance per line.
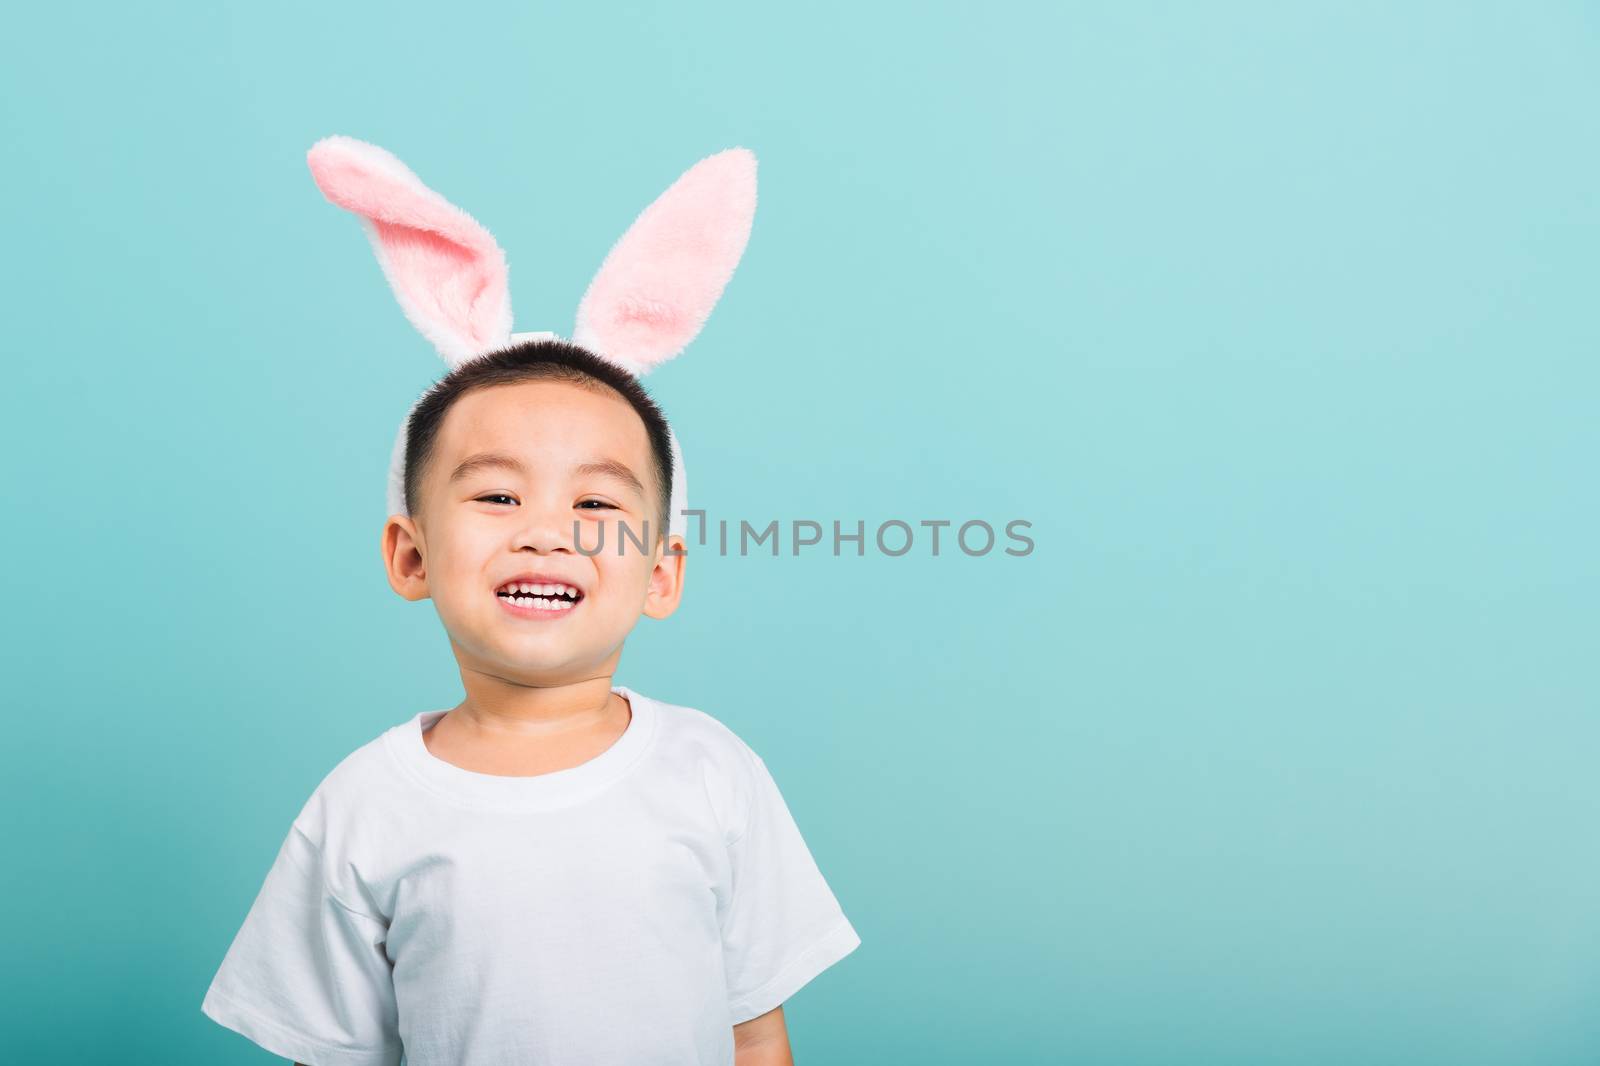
[559, 869]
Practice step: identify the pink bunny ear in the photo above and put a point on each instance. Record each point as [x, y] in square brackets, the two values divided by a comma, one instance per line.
[446, 270]
[660, 281]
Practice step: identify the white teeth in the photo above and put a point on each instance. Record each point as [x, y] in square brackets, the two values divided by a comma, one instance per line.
[541, 603]
[530, 589]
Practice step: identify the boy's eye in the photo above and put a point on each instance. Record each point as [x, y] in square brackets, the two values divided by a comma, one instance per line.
[581, 503]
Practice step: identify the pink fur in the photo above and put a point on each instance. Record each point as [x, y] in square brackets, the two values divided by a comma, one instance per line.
[660, 281]
[446, 270]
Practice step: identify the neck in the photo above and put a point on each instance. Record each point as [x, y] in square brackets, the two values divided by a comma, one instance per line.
[529, 709]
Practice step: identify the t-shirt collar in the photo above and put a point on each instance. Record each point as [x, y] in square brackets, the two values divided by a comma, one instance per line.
[559, 788]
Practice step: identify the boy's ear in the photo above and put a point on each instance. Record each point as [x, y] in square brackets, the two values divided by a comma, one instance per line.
[446, 270]
[666, 580]
[661, 279]
[402, 558]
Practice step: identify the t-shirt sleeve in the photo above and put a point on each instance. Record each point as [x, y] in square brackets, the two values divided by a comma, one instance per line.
[781, 925]
[307, 976]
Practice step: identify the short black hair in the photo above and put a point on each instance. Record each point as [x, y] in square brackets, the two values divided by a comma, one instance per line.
[542, 359]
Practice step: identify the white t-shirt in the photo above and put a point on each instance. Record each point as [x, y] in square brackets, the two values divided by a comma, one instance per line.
[629, 910]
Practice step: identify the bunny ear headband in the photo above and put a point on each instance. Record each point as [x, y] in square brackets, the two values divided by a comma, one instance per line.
[649, 299]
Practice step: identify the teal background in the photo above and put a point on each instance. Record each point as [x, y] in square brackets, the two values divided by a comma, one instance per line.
[1277, 322]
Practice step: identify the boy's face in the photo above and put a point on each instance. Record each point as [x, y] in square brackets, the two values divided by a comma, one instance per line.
[491, 522]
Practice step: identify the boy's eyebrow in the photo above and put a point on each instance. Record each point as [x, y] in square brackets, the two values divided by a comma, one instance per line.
[472, 464]
[499, 460]
[611, 468]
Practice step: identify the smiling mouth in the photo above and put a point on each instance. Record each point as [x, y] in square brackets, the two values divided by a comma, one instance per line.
[543, 598]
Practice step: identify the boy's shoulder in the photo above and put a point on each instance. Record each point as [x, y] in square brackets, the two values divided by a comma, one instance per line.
[690, 727]
[360, 781]
[733, 774]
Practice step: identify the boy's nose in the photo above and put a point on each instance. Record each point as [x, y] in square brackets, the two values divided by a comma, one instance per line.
[548, 528]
